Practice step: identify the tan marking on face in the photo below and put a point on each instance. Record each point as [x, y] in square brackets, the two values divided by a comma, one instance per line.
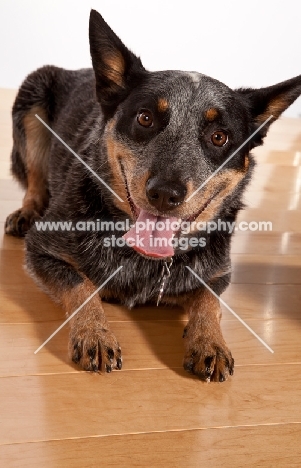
[162, 104]
[211, 114]
[36, 160]
[247, 162]
[119, 154]
[226, 181]
[137, 186]
[219, 187]
[115, 68]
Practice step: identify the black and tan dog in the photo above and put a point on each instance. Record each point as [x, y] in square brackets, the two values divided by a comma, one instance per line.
[154, 138]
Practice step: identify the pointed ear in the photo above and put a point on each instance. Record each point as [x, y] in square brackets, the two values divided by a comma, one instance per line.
[116, 68]
[271, 101]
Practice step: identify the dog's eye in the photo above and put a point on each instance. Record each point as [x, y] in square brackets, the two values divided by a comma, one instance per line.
[219, 138]
[145, 118]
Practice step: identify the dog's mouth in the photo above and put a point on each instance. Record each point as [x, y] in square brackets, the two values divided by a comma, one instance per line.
[152, 235]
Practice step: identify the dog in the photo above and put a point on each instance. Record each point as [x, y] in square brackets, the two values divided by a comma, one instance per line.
[152, 148]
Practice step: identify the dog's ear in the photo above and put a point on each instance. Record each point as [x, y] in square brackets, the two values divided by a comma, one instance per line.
[116, 68]
[263, 103]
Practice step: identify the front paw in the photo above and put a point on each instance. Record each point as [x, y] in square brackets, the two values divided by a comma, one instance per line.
[94, 349]
[208, 358]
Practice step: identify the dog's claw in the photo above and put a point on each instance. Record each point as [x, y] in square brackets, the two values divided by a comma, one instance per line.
[110, 353]
[76, 357]
[210, 362]
[94, 350]
[119, 364]
[92, 353]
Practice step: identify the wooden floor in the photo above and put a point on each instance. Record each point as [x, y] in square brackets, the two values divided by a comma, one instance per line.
[153, 414]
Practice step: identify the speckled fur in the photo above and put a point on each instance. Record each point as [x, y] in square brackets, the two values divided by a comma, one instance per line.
[87, 108]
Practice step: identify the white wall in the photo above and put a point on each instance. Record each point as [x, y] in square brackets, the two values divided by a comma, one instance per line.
[255, 43]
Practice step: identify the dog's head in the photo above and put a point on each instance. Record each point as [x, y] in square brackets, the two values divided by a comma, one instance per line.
[177, 142]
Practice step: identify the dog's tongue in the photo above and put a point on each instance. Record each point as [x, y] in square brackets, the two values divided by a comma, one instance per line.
[146, 238]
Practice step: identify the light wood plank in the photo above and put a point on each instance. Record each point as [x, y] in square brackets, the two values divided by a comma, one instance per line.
[264, 301]
[266, 269]
[269, 177]
[267, 200]
[37, 408]
[271, 243]
[282, 221]
[278, 158]
[262, 446]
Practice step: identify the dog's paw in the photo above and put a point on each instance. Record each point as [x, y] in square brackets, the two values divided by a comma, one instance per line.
[95, 350]
[210, 361]
[18, 222]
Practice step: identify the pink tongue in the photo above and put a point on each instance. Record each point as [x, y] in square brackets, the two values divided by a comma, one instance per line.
[146, 238]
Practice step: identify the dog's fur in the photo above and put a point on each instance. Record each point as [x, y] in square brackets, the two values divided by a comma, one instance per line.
[152, 168]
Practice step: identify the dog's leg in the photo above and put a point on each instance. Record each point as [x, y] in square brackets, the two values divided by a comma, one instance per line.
[91, 343]
[206, 352]
[30, 158]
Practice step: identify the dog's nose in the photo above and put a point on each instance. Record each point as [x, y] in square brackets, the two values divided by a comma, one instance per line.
[165, 195]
